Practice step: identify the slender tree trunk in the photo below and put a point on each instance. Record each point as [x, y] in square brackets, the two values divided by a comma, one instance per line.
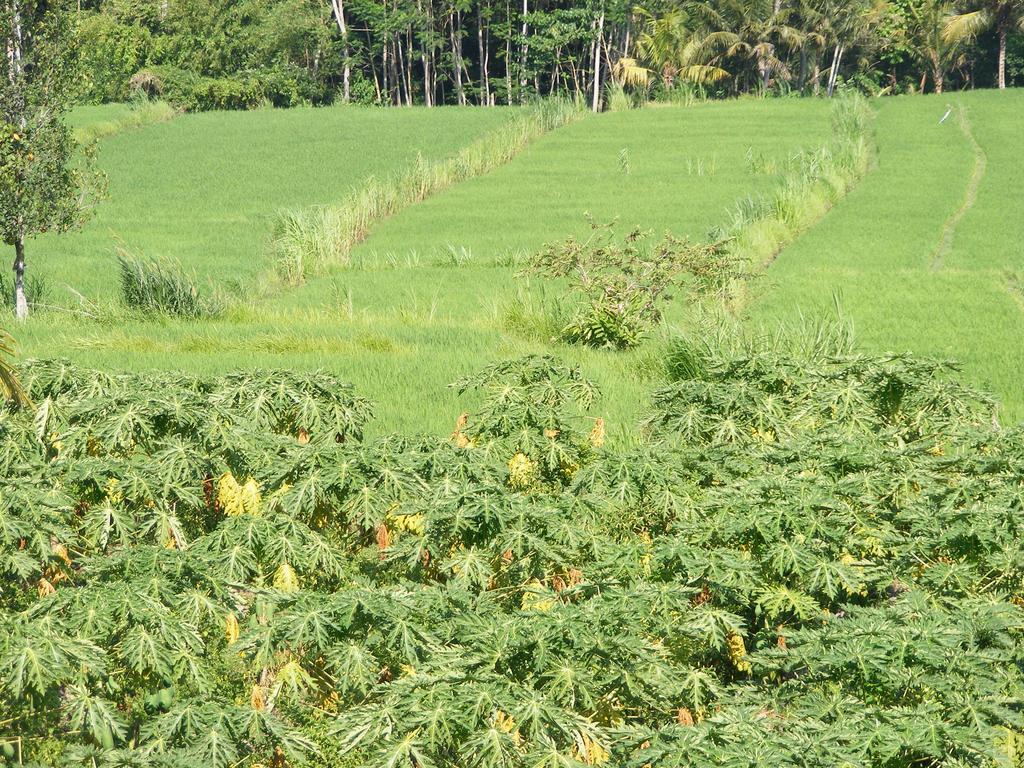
[425, 56]
[482, 49]
[523, 50]
[407, 66]
[17, 106]
[508, 55]
[456, 60]
[405, 70]
[20, 302]
[346, 72]
[837, 58]
[1002, 56]
[597, 63]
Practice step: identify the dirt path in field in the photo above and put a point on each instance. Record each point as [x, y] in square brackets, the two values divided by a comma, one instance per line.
[970, 196]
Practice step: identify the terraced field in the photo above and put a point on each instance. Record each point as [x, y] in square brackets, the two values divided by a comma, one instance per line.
[430, 290]
[204, 188]
[925, 255]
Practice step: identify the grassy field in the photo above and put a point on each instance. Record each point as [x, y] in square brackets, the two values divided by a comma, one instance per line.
[204, 188]
[924, 255]
[429, 293]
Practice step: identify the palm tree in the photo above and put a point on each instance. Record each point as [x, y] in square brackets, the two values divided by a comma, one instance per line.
[751, 32]
[1001, 15]
[10, 387]
[843, 24]
[928, 21]
[671, 47]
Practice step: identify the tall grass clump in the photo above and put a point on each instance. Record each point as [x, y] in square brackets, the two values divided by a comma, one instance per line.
[815, 180]
[716, 335]
[617, 98]
[307, 241]
[159, 286]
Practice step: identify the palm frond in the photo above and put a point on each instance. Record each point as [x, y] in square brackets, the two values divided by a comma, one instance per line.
[965, 26]
[10, 386]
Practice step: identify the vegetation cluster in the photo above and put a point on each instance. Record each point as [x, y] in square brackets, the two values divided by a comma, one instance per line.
[241, 53]
[807, 556]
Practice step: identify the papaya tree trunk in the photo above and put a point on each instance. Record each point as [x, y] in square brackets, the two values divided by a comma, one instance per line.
[20, 302]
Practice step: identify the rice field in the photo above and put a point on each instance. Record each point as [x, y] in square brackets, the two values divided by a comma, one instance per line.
[925, 254]
[204, 188]
[922, 255]
[430, 291]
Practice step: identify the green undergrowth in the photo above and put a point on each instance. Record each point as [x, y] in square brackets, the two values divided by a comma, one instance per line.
[807, 556]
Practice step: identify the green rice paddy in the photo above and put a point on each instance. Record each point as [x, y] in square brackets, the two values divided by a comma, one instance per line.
[430, 293]
[917, 258]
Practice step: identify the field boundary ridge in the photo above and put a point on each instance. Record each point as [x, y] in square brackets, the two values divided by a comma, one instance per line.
[945, 244]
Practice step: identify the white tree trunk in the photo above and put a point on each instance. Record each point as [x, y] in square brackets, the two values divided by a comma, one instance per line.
[837, 58]
[597, 63]
[523, 50]
[20, 302]
[346, 73]
[1002, 57]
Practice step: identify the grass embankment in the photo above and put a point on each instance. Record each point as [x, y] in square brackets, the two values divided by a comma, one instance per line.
[99, 121]
[204, 189]
[924, 254]
[427, 296]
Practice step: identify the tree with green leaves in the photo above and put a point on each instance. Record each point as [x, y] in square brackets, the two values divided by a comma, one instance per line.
[1004, 16]
[44, 186]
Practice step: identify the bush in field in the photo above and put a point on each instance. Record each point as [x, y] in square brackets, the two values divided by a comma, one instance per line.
[161, 286]
[622, 284]
[220, 571]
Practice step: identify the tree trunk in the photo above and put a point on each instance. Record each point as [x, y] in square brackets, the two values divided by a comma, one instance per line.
[1002, 56]
[20, 302]
[425, 57]
[456, 59]
[346, 72]
[508, 55]
[483, 49]
[597, 63]
[523, 50]
[837, 58]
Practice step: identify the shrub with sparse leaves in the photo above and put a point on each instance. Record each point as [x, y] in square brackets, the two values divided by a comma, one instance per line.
[622, 284]
[801, 561]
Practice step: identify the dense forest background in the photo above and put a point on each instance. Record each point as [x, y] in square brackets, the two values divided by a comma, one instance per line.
[202, 54]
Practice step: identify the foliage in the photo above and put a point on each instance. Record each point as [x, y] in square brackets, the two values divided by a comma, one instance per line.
[623, 283]
[280, 87]
[220, 570]
[234, 52]
[160, 286]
